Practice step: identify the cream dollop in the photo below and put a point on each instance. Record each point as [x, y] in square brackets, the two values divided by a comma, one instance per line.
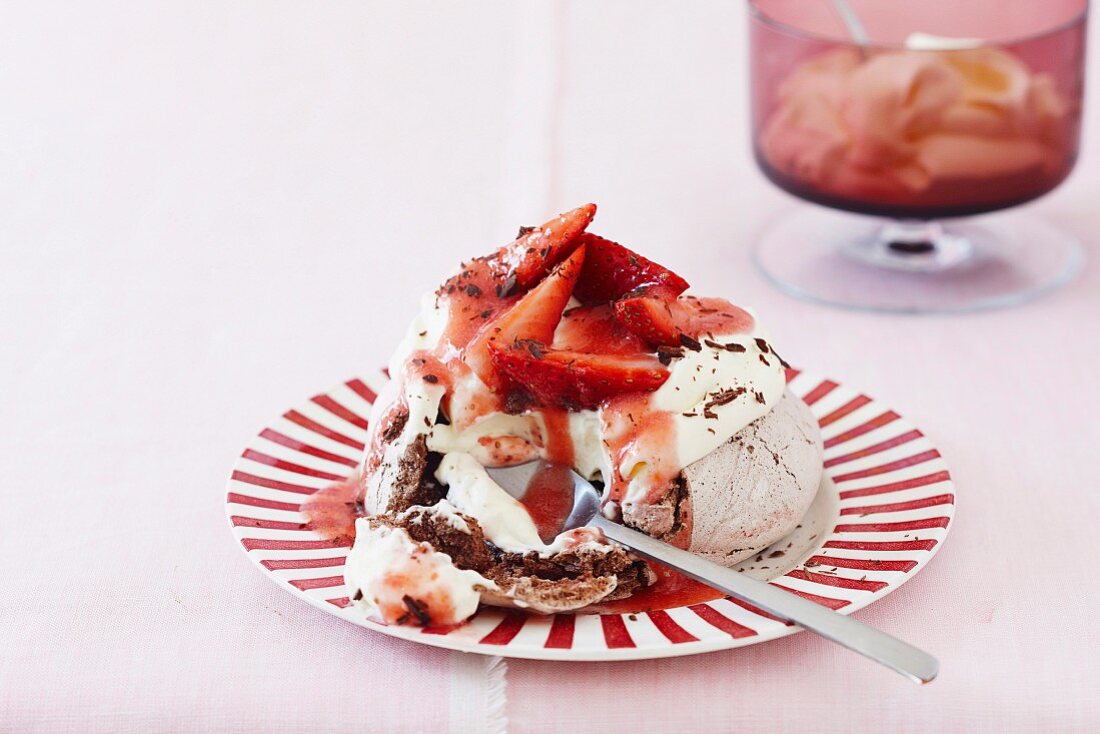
[400, 581]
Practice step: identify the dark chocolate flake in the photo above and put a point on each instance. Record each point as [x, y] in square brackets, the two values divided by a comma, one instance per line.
[503, 290]
[731, 347]
[535, 347]
[781, 360]
[666, 354]
[473, 290]
[763, 345]
[417, 609]
[690, 343]
[431, 379]
[726, 396]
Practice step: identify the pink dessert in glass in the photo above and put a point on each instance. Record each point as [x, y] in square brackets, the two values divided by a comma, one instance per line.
[917, 112]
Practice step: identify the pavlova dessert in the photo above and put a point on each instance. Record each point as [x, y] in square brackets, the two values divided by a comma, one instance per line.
[570, 348]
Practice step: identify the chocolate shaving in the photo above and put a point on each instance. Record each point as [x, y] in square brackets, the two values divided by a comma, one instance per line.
[518, 401]
[505, 289]
[763, 345]
[726, 396]
[666, 354]
[759, 397]
[397, 425]
[431, 379]
[731, 347]
[473, 290]
[535, 347]
[358, 595]
[486, 313]
[690, 343]
[524, 231]
[417, 609]
[764, 360]
[781, 360]
[776, 554]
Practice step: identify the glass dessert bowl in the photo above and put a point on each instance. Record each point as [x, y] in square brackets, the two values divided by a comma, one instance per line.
[902, 118]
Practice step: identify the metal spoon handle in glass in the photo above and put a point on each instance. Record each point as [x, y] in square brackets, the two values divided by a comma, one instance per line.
[852, 22]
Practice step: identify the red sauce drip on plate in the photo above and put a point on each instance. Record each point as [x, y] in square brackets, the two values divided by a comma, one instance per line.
[549, 498]
[672, 589]
[332, 511]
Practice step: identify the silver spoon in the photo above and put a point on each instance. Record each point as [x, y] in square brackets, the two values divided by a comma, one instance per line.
[852, 22]
[915, 664]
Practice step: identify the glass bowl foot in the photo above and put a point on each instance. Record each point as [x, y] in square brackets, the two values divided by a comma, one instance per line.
[872, 264]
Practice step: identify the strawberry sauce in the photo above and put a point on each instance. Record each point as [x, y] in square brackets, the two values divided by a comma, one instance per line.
[672, 589]
[699, 317]
[558, 440]
[332, 511]
[549, 498]
[632, 430]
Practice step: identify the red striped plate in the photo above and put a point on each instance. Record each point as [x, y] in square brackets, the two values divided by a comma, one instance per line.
[883, 511]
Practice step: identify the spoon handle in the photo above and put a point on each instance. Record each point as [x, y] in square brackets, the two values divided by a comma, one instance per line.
[915, 664]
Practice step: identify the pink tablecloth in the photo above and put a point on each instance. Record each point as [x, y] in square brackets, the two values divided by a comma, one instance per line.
[209, 212]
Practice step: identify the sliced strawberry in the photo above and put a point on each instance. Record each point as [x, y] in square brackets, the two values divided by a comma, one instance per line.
[662, 319]
[537, 250]
[703, 317]
[573, 380]
[649, 314]
[611, 271]
[534, 316]
[596, 330]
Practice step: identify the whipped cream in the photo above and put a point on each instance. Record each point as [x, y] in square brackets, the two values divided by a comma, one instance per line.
[710, 395]
[503, 519]
[701, 425]
[385, 568]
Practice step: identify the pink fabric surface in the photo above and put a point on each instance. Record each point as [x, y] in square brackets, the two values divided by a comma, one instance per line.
[210, 213]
